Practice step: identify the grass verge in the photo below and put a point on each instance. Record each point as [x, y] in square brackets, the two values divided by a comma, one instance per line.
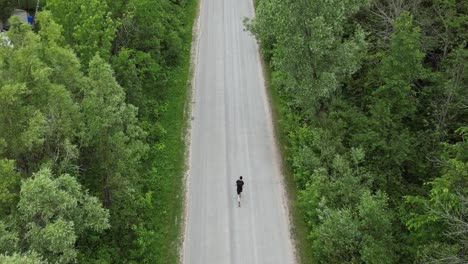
[170, 163]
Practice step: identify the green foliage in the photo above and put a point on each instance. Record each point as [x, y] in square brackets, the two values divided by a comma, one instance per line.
[375, 222]
[337, 237]
[113, 146]
[162, 38]
[450, 95]
[445, 22]
[386, 135]
[9, 185]
[52, 213]
[139, 74]
[40, 118]
[88, 26]
[311, 53]
[8, 240]
[439, 220]
[112, 131]
[83, 125]
[29, 258]
[6, 7]
[369, 92]
[349, 225]
[358, 235]
[30, 5]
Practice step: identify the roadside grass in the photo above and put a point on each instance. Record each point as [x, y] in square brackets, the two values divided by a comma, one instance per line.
[170, 158]
[299, 229]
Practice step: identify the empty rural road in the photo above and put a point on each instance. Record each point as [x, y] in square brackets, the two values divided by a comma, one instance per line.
[232, 135]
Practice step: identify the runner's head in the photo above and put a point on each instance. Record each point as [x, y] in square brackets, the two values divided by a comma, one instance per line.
[241, 177]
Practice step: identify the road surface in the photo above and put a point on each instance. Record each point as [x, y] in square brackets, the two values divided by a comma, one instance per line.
[232, 135]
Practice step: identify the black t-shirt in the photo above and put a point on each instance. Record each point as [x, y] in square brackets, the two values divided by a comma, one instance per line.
[239, 183]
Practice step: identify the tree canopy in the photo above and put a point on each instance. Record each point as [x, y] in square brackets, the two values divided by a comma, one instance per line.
[373, 108]
[82, 94]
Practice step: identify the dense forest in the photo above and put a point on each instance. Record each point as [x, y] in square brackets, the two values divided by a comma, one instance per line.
[373, 109]
[92, 101]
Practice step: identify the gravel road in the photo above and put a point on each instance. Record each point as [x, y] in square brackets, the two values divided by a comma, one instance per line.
[232, 135]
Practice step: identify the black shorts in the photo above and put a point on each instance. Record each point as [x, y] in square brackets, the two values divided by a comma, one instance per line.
[239, 191]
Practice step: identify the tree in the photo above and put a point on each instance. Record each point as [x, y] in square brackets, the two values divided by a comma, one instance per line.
[392, 90]
[349, 224]
[450, 97]
[80, 122]
[444, 22]
[112, 150]
[6, 8]
[162, 38]
[439, 221]
[375, 225]
[9, 186]
[337, 237]
[29, 258]
[139, 74]
[311, 53]
[41, 119]
[112, 130]
[8, 239]
[53, 212]
[387, 134]
[88, 26]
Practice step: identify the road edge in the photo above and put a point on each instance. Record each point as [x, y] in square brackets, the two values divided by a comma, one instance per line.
[191, 83]
[289, 190]
[287, 197]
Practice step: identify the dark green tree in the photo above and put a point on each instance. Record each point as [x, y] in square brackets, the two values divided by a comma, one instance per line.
[439, 221]
[387, 136]
[112, 133]
[6, 8]
[9, 187]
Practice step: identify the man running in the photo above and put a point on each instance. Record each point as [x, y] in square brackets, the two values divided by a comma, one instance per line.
[239, 184]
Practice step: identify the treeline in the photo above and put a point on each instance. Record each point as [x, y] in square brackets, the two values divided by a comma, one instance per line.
[374, 109]
[88, 163]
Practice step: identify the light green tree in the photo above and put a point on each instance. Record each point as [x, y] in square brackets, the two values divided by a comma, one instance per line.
[39, 116]
[29, 258]
[53, 213]
[336, 239]
[88, 26]
[359, 233]
[375, 224]
[348, 223]
[311, 55]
